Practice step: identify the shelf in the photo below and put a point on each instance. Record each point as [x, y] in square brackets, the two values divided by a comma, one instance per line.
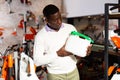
[114, 16]
[100, 48]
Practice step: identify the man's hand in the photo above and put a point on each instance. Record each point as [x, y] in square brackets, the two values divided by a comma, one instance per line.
[62, 52]
[89, 50]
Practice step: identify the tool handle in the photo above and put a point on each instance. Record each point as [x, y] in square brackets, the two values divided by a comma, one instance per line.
[82, 35]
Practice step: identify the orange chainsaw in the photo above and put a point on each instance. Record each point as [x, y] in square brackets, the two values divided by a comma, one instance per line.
[116, 41]
[114, 69]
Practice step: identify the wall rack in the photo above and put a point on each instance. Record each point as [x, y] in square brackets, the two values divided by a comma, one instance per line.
[108, 15]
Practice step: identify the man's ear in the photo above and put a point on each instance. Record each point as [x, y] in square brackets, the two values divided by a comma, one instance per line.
[44, 19]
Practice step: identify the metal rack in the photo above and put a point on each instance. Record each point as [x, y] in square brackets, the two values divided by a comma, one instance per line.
[108, 7]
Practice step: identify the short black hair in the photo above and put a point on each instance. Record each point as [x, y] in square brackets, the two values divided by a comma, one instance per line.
[49, 10]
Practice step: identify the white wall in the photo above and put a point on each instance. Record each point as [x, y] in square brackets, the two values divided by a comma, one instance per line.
[78, 8]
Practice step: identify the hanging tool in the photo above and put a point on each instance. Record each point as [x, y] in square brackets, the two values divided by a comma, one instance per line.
[16, 64]
[7, 69]
[10, 67]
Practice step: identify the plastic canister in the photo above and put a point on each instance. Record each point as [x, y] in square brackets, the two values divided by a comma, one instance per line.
[78, 46]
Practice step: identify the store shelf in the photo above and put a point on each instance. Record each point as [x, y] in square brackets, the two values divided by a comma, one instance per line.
[108, 16]
[114, 16]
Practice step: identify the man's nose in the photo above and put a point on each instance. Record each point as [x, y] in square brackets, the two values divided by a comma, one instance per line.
[58, 21]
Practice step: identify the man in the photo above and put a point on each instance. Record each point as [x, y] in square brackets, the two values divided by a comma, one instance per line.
[49, 47]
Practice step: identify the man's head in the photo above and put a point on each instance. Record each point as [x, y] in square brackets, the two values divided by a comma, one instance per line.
[49, 10]
[52, 16]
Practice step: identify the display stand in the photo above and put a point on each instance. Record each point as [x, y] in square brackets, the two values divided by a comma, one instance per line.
[116, 15]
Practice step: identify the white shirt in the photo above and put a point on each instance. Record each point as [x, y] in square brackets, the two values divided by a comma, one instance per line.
[46, 45]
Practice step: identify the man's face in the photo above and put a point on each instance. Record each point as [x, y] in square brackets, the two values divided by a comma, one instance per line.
[54, 21]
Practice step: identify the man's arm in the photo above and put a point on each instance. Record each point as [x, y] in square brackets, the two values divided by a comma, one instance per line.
[62, 52]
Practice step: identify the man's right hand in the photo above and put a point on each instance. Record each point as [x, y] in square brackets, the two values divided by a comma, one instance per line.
[62, 52]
